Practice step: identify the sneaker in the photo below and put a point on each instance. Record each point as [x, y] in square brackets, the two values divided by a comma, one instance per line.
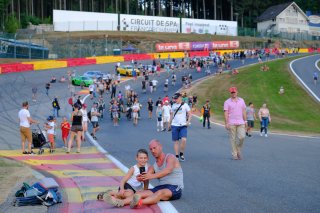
[177, 156]
[31, 153]
[266, 135]
[182, 158]
[261, 134]
[95, 138]
[91, 134]
[209, 127]
[25, 153]
[136, 201]
[158, 130]
[247, 134]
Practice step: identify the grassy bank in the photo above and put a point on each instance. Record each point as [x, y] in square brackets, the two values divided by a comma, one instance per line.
[295, 111]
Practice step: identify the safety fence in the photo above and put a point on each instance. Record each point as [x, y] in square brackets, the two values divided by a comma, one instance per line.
[75, 62]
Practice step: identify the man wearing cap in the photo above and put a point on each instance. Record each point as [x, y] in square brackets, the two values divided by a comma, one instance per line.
[180, 118]
[235, 121]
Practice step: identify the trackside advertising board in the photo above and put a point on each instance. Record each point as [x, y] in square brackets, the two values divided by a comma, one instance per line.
[196, 46]
[201, 26]
[149, 23]
[65, 21]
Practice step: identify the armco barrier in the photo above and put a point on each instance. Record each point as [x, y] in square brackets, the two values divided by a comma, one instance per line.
[16, 67]
[107, 59]
[49, 64]
[137, 57]
[80, 62]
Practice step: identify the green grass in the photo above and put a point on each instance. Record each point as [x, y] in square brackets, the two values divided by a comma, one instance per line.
[295, 111]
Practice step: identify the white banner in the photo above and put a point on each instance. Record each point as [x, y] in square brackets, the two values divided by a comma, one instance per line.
[64, 20]
[149, 23]
[202, 26]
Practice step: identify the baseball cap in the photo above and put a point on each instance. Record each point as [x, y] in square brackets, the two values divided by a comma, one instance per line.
[177, 95]
[159, 105]
[50, 118]
[84, 105]
[233, 89]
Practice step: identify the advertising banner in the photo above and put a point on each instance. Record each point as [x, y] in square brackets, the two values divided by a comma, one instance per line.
[204, 46]
[149, 23]
[201, 26]
[167, 47]
[65, 21]
[197, 46]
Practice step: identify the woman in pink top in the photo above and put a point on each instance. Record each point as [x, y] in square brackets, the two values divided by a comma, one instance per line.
[265, 119]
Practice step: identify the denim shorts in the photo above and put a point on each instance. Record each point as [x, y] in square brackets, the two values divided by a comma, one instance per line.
[179, 132]
[95, 124]
[175, 190]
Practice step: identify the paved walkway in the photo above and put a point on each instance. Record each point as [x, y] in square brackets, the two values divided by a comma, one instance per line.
[81, 176]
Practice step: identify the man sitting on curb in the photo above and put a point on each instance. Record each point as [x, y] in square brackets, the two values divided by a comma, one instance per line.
[167, 170]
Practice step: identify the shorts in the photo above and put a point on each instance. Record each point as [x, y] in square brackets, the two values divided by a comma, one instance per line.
[95, 124]
[115, 115]
[76, 128]
[250, 123]
[65, 134]
[166, 118]
[175, 190]
[25, 133]
[179, 132]
[128, 186]
[51, 138]
[135, 114]
[91, 92]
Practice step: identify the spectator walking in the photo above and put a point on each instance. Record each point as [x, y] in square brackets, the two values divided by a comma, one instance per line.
[180, 119]
[251, 116]
[85, 121]
[206, 113]
[235, 121]
[65, 129]
[315, 77]
[265, 119]
[166, 114]
[76, 128]
[47, 88]
[55, 107]
[34, 93]
[50, 128]
[150, 108]
[135, 110]
[95, 120]
[159, 113]
[25, 121]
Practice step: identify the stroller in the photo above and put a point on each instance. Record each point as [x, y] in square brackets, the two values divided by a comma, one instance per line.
[38, 139]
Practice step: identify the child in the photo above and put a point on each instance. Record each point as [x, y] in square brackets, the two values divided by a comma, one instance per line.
[129, 183]
[159, 114]
[65, 129]
[50, 127]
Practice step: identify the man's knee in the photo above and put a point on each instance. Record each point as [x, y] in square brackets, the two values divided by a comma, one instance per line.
[164, 194]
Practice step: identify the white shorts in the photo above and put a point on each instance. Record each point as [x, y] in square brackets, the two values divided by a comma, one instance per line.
[135, 114]
[166, 118]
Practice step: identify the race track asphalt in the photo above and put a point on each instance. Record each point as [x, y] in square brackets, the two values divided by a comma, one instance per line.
[277, 174]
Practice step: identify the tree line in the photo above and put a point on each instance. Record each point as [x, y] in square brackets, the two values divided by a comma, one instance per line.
[21, 12]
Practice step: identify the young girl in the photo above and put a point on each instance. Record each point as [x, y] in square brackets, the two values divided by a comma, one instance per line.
[65, 129]
[50, 127]
[129, 183]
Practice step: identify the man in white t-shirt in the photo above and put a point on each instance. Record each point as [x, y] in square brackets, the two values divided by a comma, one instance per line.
[166, 115]
[25, 121]
[95, 120]
[180, 118]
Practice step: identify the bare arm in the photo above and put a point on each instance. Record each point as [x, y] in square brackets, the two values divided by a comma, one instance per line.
[31, 121]
[226, 119]
[169, 168]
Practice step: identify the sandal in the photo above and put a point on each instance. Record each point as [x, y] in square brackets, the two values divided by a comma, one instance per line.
[25, 153]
